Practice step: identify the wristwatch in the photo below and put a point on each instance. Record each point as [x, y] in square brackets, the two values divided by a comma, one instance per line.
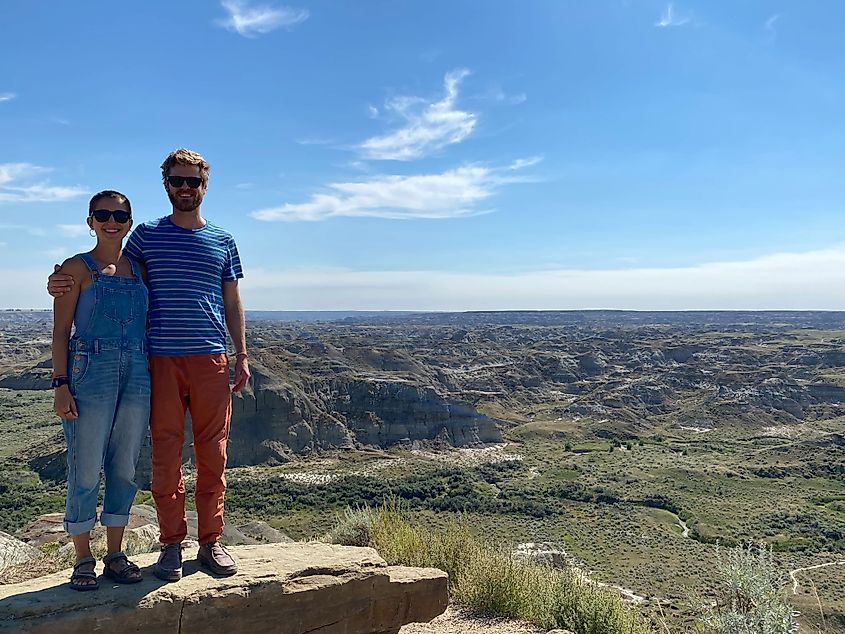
[59, 381]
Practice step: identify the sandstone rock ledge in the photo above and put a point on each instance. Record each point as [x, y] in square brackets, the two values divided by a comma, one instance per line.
[293, 588]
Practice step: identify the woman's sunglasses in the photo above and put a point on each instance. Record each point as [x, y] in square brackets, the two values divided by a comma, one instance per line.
[177, 181]
[120, 216]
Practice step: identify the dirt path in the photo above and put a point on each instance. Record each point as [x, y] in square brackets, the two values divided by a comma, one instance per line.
[793, 574]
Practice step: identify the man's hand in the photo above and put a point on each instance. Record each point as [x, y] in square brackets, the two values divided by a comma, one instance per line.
[241, 373]
[59, 283]
[63, 403]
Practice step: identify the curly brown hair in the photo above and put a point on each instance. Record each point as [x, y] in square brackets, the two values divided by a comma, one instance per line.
[183, 156]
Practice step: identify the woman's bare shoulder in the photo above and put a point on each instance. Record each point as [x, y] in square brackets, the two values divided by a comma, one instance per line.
[73, 265]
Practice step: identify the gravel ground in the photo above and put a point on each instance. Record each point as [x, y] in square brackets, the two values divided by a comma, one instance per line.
[458, 621]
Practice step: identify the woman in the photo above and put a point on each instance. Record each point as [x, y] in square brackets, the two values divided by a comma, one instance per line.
[102, 387]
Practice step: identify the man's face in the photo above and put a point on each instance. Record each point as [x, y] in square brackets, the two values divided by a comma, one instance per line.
[185, 198]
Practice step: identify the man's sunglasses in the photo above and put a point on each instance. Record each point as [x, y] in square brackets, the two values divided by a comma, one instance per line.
[177, 181]
[120, 216]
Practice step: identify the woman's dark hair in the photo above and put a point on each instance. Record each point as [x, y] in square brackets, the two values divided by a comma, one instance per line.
[108, 193]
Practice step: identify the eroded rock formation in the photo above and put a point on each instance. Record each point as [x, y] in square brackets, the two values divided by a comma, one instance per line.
[273, 419]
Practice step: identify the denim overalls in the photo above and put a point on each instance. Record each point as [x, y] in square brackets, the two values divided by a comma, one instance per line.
[110, 380]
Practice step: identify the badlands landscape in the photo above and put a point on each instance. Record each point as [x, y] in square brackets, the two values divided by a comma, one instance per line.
[628, 444]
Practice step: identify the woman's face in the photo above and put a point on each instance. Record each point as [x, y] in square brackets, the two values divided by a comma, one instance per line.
[107, 226]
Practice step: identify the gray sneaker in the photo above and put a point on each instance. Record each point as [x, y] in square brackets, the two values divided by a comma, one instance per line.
[169, 565]
[214, 557]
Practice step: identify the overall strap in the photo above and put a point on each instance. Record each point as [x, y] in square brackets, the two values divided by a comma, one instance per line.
[89, 262]
[136, 271]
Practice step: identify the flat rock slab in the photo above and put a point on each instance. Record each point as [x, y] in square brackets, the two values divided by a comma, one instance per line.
[286, 588]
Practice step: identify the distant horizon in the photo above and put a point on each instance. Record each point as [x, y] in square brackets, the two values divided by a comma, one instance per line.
[510, 310]
[810, 281]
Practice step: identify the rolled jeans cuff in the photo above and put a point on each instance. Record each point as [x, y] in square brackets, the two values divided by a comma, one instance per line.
[108, 519]
[77, 528]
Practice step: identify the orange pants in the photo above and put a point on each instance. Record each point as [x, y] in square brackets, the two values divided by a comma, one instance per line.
[199, 384]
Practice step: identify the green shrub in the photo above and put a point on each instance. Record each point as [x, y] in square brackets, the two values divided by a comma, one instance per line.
[353, 527]
[749, 595]
[444, 489]
[24, 497]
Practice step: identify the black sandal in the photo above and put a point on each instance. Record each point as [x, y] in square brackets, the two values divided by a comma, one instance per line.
[88, 575]
[129, 573]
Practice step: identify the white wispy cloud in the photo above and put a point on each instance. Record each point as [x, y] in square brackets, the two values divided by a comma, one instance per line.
[23, 183]
[56, 253]
[497, 94]
[430, 56]
[358, 166]
[452, 194]
[33, 231]
[7, 96]
[522, 163]
[39, 194]
[11, 171]
[315, 141]
[372, 111]
[73, 231]
[770, 23]
[799, 281]
[671, 18]
[513, 100]
[251, 21]
[428, 126]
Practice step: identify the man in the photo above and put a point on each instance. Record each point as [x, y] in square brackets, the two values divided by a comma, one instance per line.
[193, 268]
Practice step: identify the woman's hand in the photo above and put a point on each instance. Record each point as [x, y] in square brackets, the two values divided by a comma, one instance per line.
[63, 403]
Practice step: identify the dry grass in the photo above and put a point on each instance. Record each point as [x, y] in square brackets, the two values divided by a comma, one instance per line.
[488, 579]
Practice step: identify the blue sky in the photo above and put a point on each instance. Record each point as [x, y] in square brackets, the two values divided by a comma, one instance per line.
[445, 155]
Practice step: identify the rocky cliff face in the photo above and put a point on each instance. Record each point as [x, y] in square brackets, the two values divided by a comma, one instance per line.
[36, 377]
[274, 419]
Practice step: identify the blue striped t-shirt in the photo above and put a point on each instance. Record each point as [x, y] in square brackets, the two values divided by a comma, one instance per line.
[186, 269]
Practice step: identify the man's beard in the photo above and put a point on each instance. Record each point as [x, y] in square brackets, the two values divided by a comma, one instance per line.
[185, 204]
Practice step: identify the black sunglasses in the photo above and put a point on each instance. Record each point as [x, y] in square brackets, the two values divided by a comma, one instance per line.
[120, 216]
[177, 181]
